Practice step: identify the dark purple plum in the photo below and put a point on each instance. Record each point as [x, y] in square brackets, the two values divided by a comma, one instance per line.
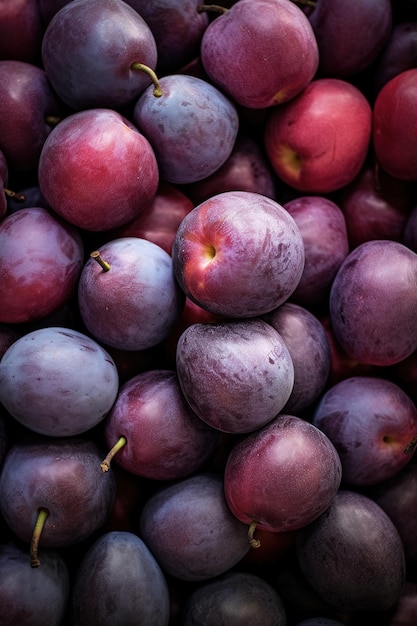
[190, 530]
[405, 610]
[53, 493]
[21, 30]
[282, 476]
[350, 37]
[363, 553]
[238, 254]
[397, 496]
[31, 597]
[309, 348]
[8, 335]
[261, 54]
[398, 55]
[320, 621]
[373, 303]
[192, 127]
[89, 49]
[29, 105]
[236, 375]
[177, 28]
[4, 191]
[58, 382]
[134, 302]
[235, 598]
[375, 206]
[118, 581]
[97, 171]
[41, 259]
[410, 230]
[323, 228]
[372, 423]
[246, 169]
[164, 438]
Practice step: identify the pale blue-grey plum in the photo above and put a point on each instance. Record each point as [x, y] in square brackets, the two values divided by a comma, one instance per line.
[96, 170]
[57, 381]
[118, 581]
[235, 598]
[309, 348]
[165, 439]
[32, 596]
[89, 52]
[134, 304]
[192, 127]
[260, 54]
[41, 257]
[372, 423]
[363, 552]
[236, 375]
[238, 254]
[191, 531]
[373, 303]
[323, 228]
[60, 477]
[282, 476]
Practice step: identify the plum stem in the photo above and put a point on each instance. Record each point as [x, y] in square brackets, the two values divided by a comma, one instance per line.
[19, 197]
[411, 446]
[214, 8]
[37, 532]
[97, 257]
[105, 465]
[157, 89]
[254, 543]
[306, 3]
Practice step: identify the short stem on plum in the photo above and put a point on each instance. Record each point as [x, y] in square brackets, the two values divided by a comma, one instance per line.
[19, 197]
[157, 89]
[37, 532]
[211, 8]
[105, 465]
[254, 543]
[97, 257]
[409, 449]
[306, 3]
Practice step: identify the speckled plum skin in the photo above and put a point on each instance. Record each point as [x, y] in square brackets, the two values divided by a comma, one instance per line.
[57, 381]
[41, 259]
[133, 305]
[308, 345]
[238, 254]
[236, 375]
[362, 549]
[282, 476]
[371, 422]
[165, 438]
[190, 530]
[373, 303]
[87, 51]
[62, 475]
[118, 576]
[261, 54]
[97, 171]
[192, 127]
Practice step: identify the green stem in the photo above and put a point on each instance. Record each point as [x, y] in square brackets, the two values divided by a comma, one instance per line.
[97, 257]
[36, 535]
[212, 8]
[254, 543]
[157, 89]
[105, 465]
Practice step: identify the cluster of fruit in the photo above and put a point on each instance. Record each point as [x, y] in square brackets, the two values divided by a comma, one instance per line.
[208, 312]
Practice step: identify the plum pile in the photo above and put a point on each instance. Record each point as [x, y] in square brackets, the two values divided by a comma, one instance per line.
[208, 312]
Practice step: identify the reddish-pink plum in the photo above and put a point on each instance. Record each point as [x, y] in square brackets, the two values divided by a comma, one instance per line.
[318, 141]
[238, 254]
[97, 170]
[262, 53]
[282, 476]
[41, 258]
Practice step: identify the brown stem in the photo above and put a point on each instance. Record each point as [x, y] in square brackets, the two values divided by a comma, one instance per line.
[97, 257]
[37, 532]
[409, 449]
[212, 8]
[105, 465]
[19, 197]
[157, 89]
[254, 543]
